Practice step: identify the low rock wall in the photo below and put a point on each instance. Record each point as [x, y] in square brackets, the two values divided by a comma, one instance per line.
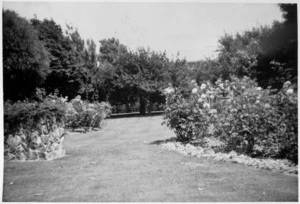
[45, 142]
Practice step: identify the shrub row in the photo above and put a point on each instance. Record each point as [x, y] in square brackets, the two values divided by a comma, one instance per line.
[73, 114]
[248, 119]
[27, 114]
[131, 108]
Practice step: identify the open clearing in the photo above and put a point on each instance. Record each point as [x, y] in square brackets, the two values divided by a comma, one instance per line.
[119, 163]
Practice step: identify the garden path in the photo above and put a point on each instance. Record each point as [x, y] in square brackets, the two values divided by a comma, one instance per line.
[122, 162]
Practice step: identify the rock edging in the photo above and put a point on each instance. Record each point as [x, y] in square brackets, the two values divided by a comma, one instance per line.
[277, 165]
[45, 142]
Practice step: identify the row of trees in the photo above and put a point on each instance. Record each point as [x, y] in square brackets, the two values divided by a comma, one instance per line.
[39, 58]
[266, 53]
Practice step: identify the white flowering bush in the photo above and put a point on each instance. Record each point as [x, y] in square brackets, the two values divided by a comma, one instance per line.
[247, 118]
[83, 114]
[188, 117]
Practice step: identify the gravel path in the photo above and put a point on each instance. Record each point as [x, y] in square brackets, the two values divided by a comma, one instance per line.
[122, 162]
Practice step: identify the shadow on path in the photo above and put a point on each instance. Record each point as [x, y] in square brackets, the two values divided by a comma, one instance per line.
[158, 142]
[134, 115]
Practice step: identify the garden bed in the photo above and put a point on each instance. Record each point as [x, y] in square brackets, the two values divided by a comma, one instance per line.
[249, 120]
[36, 130]
[45, 142]
[278, 165]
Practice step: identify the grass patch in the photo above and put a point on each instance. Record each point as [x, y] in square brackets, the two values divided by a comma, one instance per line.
[118, 163]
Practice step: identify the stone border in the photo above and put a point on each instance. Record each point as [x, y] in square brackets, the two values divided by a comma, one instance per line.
[277, 165]
[45, 142]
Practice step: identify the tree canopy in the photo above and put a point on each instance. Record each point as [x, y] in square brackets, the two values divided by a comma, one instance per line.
[266, 53]
[39, 57]
[25, 58]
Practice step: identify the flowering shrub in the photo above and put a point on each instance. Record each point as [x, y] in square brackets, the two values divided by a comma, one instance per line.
[247, 118]
[73, 114]
[83, 114]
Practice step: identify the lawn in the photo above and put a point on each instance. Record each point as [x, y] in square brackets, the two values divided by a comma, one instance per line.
[122, 162]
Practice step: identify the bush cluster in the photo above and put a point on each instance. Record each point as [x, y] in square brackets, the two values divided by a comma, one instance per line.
[27, 114]
[73, 114]
[80, 113]
[248, 119]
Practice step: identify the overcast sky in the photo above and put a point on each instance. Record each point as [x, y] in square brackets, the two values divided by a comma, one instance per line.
[193, 29]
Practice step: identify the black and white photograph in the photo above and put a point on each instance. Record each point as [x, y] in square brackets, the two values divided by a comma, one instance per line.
[149, 101]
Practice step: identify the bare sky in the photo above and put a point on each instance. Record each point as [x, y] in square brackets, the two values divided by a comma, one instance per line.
[193, 29]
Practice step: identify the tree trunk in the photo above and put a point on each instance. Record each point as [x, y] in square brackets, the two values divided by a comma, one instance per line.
[143, 104]
[128, 108]
[150, 107]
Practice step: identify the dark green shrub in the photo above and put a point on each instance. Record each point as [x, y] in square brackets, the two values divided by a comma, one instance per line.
[27, 113]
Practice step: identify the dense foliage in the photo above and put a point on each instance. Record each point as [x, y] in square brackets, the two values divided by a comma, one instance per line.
[38, 54]
[67, 71]
[278, 60]
[247, 118]
[39, 59]
[66, 62]
[73, 114]
[267, 54]
[88, 115]
[25, 58]
[27, 114]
